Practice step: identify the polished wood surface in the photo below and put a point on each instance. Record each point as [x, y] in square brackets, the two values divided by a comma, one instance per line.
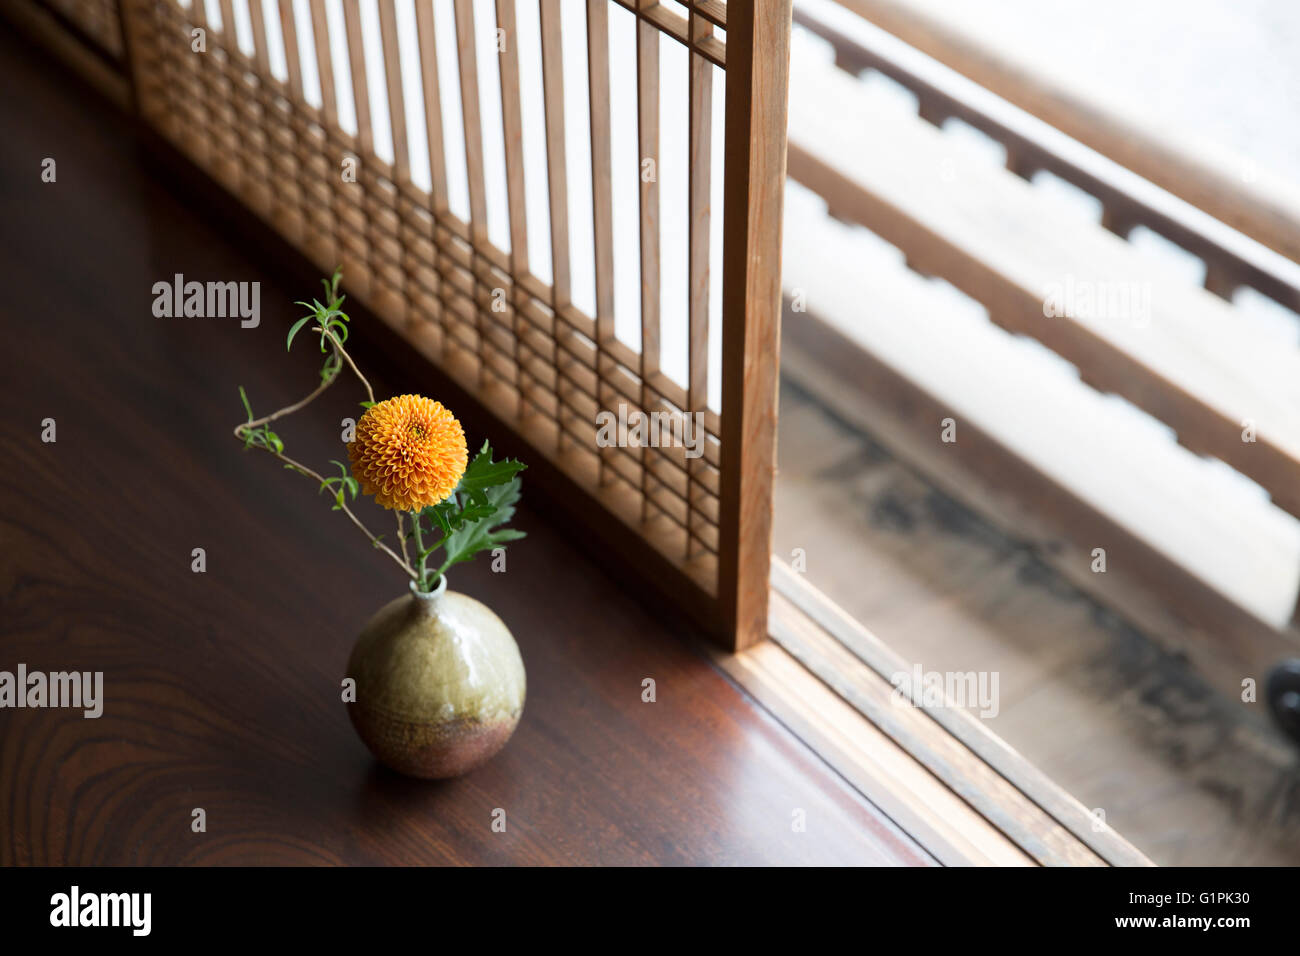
[222, 688]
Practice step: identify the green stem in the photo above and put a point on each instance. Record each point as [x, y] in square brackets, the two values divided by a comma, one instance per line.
[424, 555]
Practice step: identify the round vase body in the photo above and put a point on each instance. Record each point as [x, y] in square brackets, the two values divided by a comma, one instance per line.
[439, 684]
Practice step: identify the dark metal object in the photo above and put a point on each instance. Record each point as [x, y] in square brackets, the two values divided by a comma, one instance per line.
[1283, 695]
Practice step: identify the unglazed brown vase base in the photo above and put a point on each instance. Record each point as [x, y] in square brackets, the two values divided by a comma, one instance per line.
[431, 751]
[439, 684]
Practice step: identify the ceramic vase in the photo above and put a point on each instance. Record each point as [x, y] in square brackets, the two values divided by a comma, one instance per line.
[439, 684]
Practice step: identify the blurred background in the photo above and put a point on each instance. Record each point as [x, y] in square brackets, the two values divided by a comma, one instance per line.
[937, 214]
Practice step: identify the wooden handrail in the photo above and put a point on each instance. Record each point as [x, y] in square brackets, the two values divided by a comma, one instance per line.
[1267, 209]
[1232, 260]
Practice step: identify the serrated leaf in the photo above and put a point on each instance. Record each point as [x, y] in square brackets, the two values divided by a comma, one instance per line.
[483, 473]
[478, 535]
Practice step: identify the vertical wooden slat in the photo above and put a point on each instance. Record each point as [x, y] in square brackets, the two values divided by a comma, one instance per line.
[228, 26]
[553, 95]
[229, 38]
[701, 158]
[396, 103]
[469, 108]
[647, 100]
[432, 104]
[467, 59]
[601, 176]
[138, 11]
[324, 64]
[357, 67]
[513, 135]
[602, 203]
[157, 104]
[267, 200]
[292, 62]
[260, 53]
[758, 58]
[557, 182]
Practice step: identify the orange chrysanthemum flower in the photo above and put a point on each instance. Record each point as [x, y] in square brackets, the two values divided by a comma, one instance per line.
[409, 452]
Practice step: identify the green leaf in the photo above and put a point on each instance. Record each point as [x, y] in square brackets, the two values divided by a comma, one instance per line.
[439, 514]
[479, 535]
[293, 330]
[247, 407]
[331, 367]
[483, 473]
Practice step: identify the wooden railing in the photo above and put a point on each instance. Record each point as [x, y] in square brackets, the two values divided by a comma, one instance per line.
[1231, 261]
[1060, 467]
[1267, 208]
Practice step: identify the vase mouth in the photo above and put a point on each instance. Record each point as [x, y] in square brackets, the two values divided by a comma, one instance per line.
[427, 596]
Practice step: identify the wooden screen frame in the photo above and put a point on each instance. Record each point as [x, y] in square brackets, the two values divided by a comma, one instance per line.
[726, 496]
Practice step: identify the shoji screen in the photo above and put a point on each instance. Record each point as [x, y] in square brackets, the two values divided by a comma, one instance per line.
[570, 206]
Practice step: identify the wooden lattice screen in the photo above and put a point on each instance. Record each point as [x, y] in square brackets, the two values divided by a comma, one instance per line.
[96, 21]
[428, 104]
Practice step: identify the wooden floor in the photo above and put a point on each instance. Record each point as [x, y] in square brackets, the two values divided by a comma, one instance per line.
[222, 688]
[1188, 776]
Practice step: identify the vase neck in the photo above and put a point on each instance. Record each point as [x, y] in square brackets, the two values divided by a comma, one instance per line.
[426, 602]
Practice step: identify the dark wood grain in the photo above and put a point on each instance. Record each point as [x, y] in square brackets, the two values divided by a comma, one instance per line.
[222, 688]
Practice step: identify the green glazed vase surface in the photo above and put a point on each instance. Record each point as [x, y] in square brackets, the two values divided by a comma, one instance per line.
[439, 684]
